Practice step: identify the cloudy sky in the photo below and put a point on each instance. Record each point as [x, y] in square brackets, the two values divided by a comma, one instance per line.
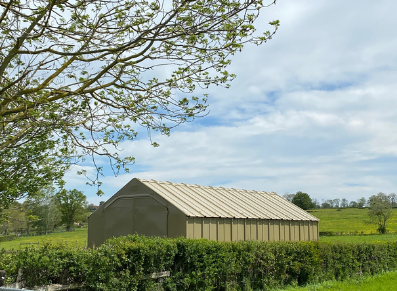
[312, 110]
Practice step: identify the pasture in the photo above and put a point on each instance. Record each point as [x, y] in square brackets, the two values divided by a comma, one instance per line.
[76, 238]
[350, 220]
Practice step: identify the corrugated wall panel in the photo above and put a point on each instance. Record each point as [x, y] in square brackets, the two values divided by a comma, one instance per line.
[266, 236]
[214, 228]
[282, 230]
[306, 224]
[206, 227]
[247, 229]
[260, 229]
[292, 230]
[197, 227]
[240, 229]
[227, 223]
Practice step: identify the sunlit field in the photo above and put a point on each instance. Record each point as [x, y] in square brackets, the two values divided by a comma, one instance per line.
[350, 220]
[76, 238]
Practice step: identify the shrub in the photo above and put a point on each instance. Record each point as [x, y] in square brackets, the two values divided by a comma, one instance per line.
[127, 263]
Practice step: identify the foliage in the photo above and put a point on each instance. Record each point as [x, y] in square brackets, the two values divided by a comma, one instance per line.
[43, 206]
[126, 263]
[71, 204]
[289, 196]
[302, 200]
[13, 219]
[79, 77]
[361, 202]
[380, 210]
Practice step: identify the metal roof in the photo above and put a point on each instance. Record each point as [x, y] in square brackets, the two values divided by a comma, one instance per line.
[207, 201]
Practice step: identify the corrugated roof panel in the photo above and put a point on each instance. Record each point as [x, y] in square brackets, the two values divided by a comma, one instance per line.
[200, 201]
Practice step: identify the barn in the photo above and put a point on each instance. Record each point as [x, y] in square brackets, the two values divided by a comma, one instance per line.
[168, 209]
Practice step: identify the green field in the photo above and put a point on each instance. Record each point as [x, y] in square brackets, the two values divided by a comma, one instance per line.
[381, 282]
[350, 220]
[76, 238]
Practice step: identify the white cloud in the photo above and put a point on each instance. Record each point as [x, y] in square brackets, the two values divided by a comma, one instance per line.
[312, 110]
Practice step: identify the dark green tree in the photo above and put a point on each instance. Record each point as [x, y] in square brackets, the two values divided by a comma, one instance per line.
[71, 204]
[79, 77]
[302, 200]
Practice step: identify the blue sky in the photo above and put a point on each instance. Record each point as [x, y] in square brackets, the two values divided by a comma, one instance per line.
[313, 110]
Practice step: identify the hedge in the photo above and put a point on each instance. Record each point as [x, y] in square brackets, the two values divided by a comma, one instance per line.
[127, 263]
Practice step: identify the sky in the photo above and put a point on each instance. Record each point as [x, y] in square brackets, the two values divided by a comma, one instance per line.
[312, 110]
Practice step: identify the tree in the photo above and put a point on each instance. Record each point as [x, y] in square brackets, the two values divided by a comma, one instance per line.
[315, 203]
[43, 206]
[288, 196]
[302, 200]
[353, 204]
[71, 203]
[13, 219]
[325, 204]
[344, 203]
[361, 202]
[77, 77]
[392, 199]
[380, 211]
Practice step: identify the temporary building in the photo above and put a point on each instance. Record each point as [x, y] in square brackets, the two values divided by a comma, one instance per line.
[168, 209]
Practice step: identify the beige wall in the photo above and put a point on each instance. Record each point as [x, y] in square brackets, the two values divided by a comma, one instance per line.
[225, 229]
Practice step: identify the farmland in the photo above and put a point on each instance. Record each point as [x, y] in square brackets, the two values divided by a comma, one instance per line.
[350, 220]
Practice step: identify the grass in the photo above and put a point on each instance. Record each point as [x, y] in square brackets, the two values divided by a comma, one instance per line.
[350, 220]
[381, 282]
[77, 238]
[360, 238]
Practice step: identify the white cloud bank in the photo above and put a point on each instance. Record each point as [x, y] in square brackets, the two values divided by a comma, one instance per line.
[314, 110]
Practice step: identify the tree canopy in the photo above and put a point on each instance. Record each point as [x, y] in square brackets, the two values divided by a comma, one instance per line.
[78, 77]
[302, 200]
[71, 204]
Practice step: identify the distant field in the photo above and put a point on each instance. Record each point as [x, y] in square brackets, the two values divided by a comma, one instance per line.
[350, 220]
[76, 238]
[381, 282]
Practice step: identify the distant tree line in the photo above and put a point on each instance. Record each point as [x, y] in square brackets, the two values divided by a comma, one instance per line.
[304, 201]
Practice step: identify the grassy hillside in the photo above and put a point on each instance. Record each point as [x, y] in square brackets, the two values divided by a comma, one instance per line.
[350, 220]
